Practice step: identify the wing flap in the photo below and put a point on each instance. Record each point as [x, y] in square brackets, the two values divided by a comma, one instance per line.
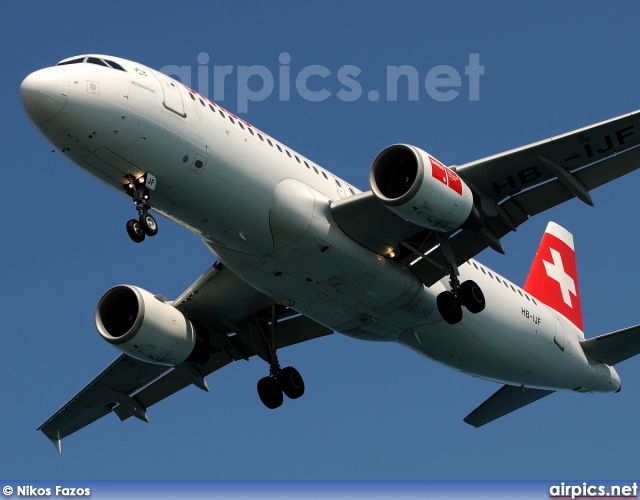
[615, 347]
[173, 382]
[507, 399]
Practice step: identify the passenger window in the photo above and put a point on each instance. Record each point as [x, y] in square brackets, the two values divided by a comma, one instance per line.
[306, 164]
[260, 136]
[192, 96]
[351, 191]
[297, 159]
[232, 120]
[279, 148]
[288, 154]
[325, 176]
[315, 170]
[520, 292]
[270, 143]
[241, 125]
[221, 113]
[211, 108]
[201, 102]
[250, 130]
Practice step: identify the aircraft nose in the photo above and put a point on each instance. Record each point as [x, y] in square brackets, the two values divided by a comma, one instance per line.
[44, 93]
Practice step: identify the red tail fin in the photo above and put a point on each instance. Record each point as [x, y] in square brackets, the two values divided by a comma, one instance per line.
[553, 278]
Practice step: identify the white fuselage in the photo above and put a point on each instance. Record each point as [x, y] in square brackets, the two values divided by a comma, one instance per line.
[265, 212]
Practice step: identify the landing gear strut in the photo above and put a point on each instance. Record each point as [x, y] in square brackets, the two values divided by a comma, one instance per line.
[145, 225]
[467, 293]
[287, 381]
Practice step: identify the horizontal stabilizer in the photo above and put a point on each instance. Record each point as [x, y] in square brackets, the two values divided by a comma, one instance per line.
[509, 398]
[615, 347]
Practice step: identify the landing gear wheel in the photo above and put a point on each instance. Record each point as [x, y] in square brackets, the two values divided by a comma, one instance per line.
[148, 223]
[291, 382]
[135, 231]
[472, 297]
[449, 307]
[270, 393]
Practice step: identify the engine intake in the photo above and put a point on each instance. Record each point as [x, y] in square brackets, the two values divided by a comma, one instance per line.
[418, 188]
[145, 328]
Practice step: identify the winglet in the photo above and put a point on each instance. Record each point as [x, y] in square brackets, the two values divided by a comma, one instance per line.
[57, 442]
[553, 278]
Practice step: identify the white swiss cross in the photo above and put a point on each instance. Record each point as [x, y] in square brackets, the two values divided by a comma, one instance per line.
[556, 272]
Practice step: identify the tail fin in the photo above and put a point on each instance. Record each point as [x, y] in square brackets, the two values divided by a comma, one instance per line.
[553, 278]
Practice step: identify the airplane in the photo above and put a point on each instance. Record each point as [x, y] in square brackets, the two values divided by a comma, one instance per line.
[300, 253]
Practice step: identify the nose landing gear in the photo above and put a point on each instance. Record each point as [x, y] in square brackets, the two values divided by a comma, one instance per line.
[145, 225]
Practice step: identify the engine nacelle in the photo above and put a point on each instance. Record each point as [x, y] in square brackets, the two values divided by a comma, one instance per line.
[143, 327]
[420, 189]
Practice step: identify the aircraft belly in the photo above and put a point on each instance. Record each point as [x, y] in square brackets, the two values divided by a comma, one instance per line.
[320, 272]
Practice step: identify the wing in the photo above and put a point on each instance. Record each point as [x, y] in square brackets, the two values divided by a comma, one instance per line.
[507, 399]
[615, 347]
[218, 302]
[508, 189]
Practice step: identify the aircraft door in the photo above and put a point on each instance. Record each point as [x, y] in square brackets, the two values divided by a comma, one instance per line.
[558, 339]
[172, 97]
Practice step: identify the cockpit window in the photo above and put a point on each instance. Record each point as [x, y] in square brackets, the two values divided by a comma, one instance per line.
[95, 60]
[114, 65]
[72, 61]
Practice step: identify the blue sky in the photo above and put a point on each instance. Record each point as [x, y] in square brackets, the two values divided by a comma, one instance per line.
[371, 411]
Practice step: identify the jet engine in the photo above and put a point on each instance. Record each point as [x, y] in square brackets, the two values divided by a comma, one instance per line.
[420, 189]
[143, 327]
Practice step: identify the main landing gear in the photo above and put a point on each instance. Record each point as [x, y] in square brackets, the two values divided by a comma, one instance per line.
[281, 381]
[145, 225]
[467, 294]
